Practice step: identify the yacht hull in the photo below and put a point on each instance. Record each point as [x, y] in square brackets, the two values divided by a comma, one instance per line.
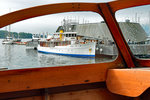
[7, 42]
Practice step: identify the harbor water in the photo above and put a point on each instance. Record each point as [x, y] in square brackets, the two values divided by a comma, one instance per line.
[20, 57]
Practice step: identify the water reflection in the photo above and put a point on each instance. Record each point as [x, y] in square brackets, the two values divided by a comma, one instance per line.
[8, 49]
[57, 60]
[31, 53]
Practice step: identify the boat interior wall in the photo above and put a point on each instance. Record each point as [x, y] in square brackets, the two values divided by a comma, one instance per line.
[96, 91]
[16, 82]
[37, 78]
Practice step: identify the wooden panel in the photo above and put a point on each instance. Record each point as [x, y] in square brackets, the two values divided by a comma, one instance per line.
[142, 62]
[128, 82]
[54, 90]
[92, 94]
[117, 35]
[30, 98]
[36, 78]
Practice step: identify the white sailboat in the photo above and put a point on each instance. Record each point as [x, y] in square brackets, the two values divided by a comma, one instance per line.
[8, 39]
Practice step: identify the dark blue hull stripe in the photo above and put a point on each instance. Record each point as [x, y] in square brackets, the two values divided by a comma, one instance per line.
[66, 54]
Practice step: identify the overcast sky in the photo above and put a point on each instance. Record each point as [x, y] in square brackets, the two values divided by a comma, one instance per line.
[49, 23]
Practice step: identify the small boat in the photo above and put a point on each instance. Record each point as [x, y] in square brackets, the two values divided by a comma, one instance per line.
[8, 40]
[3, 68]
[67, 44]
[9, 37]
[20, 43]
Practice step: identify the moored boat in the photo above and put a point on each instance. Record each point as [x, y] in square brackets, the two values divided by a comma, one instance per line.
[67, 44]
[8, 40]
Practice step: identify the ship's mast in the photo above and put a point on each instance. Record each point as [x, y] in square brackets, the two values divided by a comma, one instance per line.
[9, 28]
[6, 34]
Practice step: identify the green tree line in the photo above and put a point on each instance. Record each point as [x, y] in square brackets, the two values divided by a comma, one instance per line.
[22, 35]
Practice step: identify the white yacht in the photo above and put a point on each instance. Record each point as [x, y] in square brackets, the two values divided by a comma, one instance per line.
[66, 44]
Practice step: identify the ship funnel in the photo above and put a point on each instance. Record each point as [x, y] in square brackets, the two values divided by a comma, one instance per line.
[60, 35]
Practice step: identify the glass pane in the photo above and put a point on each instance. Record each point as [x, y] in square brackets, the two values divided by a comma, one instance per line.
[135, 26]
[71, 38]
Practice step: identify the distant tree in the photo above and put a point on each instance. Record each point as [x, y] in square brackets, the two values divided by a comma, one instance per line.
[22, 35]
